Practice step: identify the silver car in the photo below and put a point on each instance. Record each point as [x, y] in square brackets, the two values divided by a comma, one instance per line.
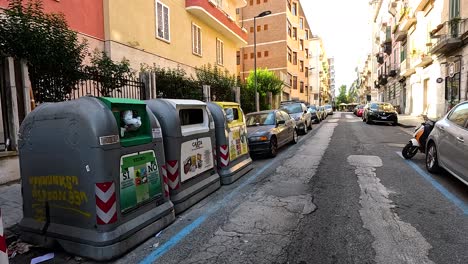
[447, 145]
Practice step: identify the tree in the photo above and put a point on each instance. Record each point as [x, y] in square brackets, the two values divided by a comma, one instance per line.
[342, 96]
[220, 82]
[52, 51]
[110, 75]
[267, 81]
[174, 83]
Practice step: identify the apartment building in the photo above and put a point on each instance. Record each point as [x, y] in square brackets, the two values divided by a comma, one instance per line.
[167, 33]
[320, 72]
[421, 54]
[331, 64]
[282, 44]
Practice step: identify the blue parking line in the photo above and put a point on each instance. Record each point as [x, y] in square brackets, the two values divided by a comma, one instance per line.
[160, 251]
[454, 199]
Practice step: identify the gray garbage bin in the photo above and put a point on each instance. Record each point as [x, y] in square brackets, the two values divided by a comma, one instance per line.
[232, 148]
[189, 140]
[91, 176]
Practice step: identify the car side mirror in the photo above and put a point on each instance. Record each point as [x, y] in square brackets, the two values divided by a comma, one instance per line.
[305, 111]
[281, 122]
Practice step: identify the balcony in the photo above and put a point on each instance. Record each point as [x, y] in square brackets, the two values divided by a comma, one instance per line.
[383, 79]
[380, 58]
[407, 19]
[422, 59]
[448, 36]
[406, 69]
[211, 14]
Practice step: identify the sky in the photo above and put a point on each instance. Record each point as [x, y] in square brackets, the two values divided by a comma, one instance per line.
[345, 32]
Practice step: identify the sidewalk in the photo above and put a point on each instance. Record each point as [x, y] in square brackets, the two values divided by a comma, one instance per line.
[11, 203]
[408, 121]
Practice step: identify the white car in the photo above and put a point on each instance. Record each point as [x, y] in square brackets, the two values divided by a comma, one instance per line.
[447, 145]
[328, 109]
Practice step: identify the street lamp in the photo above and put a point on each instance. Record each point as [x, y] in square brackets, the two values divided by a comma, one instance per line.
[262, 14]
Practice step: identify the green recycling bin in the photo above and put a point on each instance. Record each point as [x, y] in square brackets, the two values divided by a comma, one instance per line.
[92, 176]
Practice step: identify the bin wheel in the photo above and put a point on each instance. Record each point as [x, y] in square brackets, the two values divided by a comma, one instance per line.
[273, 147]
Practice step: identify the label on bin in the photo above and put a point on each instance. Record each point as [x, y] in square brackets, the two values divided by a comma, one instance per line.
[157, 133]
[196, 157]
[139, 179]
[238, 142]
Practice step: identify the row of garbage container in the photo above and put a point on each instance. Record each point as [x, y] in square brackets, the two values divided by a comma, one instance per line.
[100, 175]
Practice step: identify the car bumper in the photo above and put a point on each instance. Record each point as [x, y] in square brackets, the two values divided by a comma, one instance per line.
[262, 147]
[383, 119]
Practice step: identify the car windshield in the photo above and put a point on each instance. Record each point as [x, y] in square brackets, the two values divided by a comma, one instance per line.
[382, 107]
[312, 110]
[328, 107]
[292, 108]
[313, 107]
[261, 119]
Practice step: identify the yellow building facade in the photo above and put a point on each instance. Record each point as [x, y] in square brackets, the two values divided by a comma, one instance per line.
[167, 33]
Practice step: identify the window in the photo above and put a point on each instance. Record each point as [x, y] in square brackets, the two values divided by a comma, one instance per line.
[294, 9]
[219, 51]
[289, 5]
[190, 116]
[251, 30]
[265, 54]
[295, 82]
[301, 44]
[259, 54]
[265, 1]
[289, 55]
[289, 29]
[265, 27]
[301, 87]
[295, 58]
[454, 7]
[251, 55]
[306, 34]
[196, 40]
[246, 56]
[251, 2]
[306, 72]
[162, 21]
[294, 34]
[301, 23]
[258, 2]
[290, 79]
[403, 52]
[259, 28]
[238, 57]
[307, 53]
[301, 66]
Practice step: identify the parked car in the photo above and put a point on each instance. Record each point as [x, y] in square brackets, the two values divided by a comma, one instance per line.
[360, 110]
[329, 109]
[314, 115]
[447, 145]
[321, 112]
[299, 112]
[380, 113]
[269, 130]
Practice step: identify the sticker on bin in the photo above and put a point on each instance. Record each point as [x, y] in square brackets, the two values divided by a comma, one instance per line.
[107, 140]
[196, 157]
[157, 133]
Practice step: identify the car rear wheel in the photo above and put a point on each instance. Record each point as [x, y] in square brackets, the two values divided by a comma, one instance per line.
[273, 147]
[409, 151]
[432, 161]
[295, 137]
[305, 130]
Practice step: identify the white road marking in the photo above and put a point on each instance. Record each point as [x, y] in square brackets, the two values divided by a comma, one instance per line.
[395, 241]
[333, 120]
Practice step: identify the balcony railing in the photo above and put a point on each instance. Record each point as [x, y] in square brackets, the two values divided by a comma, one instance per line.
[448, 35]
[213, 15]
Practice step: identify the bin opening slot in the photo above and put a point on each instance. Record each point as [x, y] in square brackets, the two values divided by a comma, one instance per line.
[232, 114]
[193, 120]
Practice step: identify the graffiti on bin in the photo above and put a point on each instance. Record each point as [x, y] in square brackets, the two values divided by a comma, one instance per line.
[60, 191]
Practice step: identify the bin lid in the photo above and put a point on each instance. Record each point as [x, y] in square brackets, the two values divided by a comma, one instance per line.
[175, 102]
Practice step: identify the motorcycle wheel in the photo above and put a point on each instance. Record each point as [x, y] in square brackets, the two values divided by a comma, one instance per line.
[409, 151]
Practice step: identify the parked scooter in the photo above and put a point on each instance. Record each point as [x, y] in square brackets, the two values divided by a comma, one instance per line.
[420, 138]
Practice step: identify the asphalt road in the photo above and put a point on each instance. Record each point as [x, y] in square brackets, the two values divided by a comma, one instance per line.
[341, 195]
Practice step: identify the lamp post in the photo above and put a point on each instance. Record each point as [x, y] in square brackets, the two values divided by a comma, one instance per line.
[262, 14]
